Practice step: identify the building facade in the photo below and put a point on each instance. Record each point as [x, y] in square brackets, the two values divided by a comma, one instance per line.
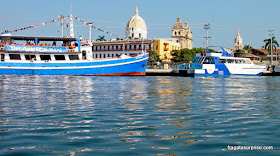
[182, 34]
[238, 42]
[107, 49]
[164, 47]
[136, 27]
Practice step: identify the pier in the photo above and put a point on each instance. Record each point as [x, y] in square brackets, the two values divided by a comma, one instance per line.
[162, 72]
[175, 72]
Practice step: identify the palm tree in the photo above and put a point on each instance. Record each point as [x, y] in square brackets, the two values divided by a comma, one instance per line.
[248, 48]
[268, 44]
[101, 38]
[274, 46]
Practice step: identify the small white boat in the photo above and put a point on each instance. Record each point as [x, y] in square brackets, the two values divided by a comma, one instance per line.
[221, 64]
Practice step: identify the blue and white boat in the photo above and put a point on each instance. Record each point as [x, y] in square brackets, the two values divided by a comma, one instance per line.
[71, 58]
[221, 64]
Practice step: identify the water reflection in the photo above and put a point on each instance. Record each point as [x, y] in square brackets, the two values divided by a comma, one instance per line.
[69, 115]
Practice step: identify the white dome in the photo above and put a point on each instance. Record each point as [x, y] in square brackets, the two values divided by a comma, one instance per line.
[136, 27]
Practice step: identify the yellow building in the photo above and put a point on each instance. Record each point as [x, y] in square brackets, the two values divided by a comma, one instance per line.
[164, 47]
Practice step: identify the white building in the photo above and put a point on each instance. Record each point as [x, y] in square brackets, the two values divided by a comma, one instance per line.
[136, 27]
[182, 34]
[238, 42]
[108, 49]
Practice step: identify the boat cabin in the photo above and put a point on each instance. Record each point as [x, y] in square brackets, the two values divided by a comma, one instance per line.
[216, 58]
[37, 49]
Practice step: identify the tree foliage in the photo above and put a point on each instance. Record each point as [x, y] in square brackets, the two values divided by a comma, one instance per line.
[101, 38]
[153, 56]
[268, 44]
[185, 55]
[247, 47]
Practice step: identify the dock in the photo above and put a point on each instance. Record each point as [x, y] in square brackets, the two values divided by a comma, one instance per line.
[162, 72]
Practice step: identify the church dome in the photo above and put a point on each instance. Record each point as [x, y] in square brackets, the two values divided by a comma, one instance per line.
[136, 21]
[136, 26]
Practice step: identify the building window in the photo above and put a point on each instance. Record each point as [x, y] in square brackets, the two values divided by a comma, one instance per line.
[179, 33]
[175, 33]
[132, 35]
[139, 35]
[104, 55]
[96, 55]
[100, 55]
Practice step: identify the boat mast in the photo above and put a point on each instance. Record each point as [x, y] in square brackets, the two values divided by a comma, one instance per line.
[61, 17]
[71, 22]
[90, 25]
[207, 26]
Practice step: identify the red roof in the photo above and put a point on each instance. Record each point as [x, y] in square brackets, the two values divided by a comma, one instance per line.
[264, 51]
[252, 56]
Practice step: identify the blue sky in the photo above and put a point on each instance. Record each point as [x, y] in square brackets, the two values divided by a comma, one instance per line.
[253, 18]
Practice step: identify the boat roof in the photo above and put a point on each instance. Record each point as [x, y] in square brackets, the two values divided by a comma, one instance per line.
[39, 38]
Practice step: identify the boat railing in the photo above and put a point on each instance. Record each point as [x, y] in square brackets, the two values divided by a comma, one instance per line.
[201, 59]
[69, 49]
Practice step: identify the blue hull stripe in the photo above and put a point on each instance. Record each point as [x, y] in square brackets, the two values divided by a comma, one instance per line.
[130, 65]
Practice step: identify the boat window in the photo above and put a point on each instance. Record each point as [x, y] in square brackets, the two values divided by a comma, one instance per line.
[222, 61]
[14, 56]
[2, 57]
[73, 57]
[211, 60]
[59, 57]
[194, 60]
[45, 57]
[248, 61]
[29, 57]
[230, 61]
[206, 60]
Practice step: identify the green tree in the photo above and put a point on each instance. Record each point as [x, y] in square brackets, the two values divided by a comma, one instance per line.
[153, 56]
[268, 44]
[185, 55]
[101, 38]
[247, 47]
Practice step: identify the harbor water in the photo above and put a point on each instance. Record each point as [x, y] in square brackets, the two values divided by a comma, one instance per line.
[84, 115]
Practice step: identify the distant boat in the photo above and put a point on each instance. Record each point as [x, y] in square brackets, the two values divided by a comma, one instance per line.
[71, 58]
[221, 64]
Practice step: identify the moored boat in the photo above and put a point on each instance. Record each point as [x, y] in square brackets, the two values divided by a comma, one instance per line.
[221, 64]
[70, 58]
